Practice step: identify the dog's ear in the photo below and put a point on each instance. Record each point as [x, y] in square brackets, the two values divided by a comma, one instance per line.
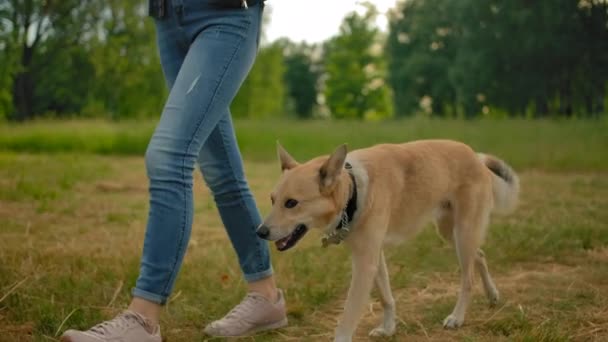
[332, 167]
[287, 161]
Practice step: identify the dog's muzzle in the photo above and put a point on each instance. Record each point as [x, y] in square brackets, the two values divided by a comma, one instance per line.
[291, 239]
[263, 232]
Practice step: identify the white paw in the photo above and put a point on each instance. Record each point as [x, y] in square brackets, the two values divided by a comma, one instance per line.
[452, 322]
[381, 331]
[493, 297]
[343, 339]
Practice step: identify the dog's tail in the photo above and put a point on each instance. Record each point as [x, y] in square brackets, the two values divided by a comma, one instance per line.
[505, 184]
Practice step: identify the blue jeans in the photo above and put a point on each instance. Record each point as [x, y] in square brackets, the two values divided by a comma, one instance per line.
[205, 53]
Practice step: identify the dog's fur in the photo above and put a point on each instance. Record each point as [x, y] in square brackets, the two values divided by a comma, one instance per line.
[400, 188]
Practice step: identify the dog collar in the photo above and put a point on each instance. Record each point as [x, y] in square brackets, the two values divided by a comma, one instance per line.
[341, 231]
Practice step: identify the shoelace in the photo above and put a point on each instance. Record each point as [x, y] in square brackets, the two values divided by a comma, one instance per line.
[245, 307]
[121, 322]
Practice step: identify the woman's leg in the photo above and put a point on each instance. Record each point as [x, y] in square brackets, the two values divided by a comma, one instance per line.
[222, 168]
[173, 47]
[214, 68]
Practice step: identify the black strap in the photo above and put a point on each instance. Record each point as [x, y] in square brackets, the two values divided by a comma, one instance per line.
[351, 206]
[159, 8]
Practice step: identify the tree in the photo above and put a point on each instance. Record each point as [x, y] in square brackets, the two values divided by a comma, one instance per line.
[128, 78]
[40, 31]
[263, 94]
[420, 49]
[7, 66]
[522, 57]
[593, 20]
[355, 70]
[301, 76]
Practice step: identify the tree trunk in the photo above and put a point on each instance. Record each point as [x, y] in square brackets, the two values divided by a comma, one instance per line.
[542, 107]
[23, 88]
[565, 100]
[589, 104]
[599, 105]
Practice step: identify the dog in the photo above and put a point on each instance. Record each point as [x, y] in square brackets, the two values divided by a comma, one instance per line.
[385, 194]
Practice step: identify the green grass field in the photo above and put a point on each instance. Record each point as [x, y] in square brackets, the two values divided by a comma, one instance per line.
[555, 145]
[73, 205]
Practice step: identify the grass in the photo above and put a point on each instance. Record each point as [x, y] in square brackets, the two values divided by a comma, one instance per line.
[72, 225]
[556, 145]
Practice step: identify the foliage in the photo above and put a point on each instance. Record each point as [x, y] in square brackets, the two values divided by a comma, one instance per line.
[465, 58]
[354, 85]
[301, 76]
[126, 62]
[522, 57]
[45, 38]
[101, 58]
[8, 66]
[263, 93]
[419, 52]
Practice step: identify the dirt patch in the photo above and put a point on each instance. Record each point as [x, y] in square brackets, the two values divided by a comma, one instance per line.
[519, 290]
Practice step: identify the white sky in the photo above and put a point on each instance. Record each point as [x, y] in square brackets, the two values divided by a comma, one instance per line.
[314, 20]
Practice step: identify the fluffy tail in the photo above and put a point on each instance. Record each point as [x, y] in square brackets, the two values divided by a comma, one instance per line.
[505, 184]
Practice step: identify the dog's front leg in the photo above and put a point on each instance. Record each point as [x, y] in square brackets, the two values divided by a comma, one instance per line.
[387, 328]
[365, 266]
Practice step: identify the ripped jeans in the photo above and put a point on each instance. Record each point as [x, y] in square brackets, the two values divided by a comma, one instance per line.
[205, 53]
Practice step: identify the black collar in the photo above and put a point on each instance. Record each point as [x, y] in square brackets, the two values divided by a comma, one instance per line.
[351, 206]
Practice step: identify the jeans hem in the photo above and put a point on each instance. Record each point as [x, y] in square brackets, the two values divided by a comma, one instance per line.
[149, 296]
[251, 277]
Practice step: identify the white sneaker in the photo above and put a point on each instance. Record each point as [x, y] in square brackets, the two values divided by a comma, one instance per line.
[129, 326]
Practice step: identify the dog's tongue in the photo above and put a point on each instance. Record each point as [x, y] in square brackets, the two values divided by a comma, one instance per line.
[291, 239]
[281, 244]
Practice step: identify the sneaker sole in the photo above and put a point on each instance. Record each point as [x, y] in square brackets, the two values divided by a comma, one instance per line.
[280, 324]
[272, 326]
[69, 339]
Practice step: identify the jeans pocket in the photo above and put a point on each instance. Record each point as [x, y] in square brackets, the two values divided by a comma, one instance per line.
[227, 31]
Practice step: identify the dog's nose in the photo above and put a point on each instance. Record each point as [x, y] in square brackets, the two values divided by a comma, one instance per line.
[263, 231]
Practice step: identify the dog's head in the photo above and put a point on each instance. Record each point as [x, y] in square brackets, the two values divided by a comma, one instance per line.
[308, 195]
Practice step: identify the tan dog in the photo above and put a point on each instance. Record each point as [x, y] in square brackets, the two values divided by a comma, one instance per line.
[387, 193]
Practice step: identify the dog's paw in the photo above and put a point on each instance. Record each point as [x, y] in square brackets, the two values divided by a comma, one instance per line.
[493, 297]
[452, 322]
[343, 339]
[381, 331]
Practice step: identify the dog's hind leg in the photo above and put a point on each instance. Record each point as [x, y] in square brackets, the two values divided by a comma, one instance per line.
[387, 328]
[466, 256]
[445, 225]
[471, 217]
[486, 279]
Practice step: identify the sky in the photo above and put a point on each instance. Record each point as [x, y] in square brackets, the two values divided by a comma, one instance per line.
[314, 21]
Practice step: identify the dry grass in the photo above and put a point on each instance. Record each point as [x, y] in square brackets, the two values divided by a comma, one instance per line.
[72, 230]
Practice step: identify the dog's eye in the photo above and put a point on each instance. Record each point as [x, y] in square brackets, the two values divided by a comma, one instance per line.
[290, 203]
[272, 199]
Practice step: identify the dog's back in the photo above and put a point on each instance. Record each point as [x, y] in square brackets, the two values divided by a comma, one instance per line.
[413, 181]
